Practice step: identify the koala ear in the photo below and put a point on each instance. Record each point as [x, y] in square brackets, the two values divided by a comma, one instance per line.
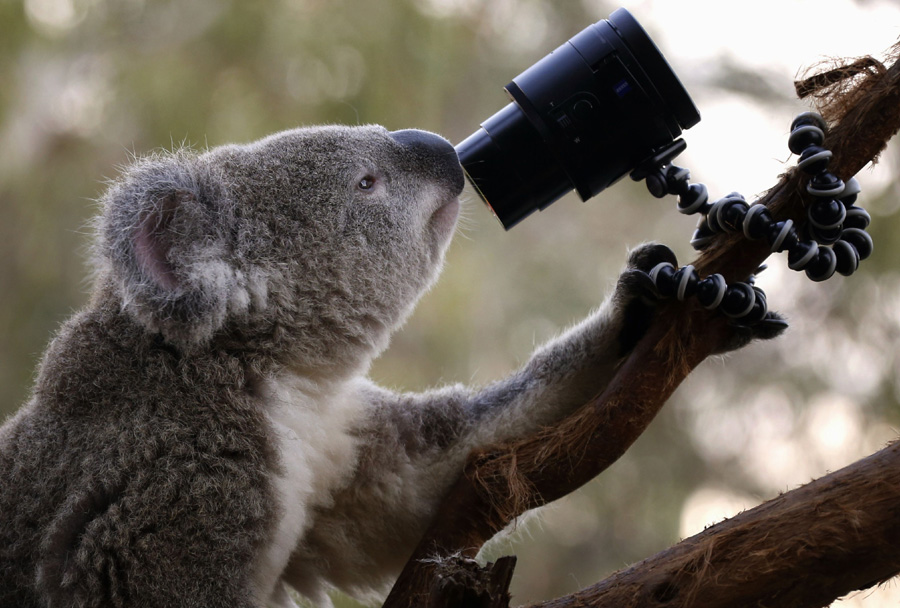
[153, 239]
[166, 231]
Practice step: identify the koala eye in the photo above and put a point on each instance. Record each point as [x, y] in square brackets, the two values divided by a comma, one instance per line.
[366, 183]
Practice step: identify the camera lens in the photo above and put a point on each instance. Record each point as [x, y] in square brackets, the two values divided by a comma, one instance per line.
[580, 118]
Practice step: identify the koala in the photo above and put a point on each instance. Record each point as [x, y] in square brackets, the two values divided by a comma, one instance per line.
[203, 433]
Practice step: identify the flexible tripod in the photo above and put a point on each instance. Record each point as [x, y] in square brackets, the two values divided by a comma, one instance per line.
[833, 239]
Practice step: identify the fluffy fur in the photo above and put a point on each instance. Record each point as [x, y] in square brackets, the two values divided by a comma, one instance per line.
[203, 433]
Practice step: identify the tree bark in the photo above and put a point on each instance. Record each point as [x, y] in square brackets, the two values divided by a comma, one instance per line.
[502, 482]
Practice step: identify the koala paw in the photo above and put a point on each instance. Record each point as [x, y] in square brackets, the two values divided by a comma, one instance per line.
[637, 296]
[636, 293]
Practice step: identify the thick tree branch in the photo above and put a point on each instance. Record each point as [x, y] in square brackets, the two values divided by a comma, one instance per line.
[501, 483]
[802, 549]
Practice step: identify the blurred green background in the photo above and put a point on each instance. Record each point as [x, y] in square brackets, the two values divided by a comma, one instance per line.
[87, 84]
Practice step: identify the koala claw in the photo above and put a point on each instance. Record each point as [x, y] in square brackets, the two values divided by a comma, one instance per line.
[771, 326]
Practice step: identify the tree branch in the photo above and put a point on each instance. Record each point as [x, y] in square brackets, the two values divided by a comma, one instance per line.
[802, 549]
[502, 482]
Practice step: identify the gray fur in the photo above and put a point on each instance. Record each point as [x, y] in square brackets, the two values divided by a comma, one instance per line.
[203, 431]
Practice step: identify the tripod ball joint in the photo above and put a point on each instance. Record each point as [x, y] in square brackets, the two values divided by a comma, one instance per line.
[827, 213]
[805, 136]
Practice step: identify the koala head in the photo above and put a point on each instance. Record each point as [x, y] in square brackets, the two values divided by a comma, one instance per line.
[311, 245]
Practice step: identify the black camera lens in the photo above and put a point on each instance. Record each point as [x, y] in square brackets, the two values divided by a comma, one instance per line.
[581, 118]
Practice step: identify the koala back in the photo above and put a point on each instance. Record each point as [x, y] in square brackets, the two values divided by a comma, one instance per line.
[119, 463]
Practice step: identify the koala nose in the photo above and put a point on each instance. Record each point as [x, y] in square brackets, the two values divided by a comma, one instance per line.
[437, 150]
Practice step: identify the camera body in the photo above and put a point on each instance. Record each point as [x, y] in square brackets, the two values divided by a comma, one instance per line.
[580, 118]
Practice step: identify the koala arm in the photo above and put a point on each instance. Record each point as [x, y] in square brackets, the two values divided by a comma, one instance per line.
[421, 440]
[559, 376]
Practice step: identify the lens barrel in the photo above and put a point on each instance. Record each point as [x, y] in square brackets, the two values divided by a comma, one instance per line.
[580, 118]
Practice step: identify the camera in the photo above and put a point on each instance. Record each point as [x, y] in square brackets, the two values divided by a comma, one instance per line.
[581, 118]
